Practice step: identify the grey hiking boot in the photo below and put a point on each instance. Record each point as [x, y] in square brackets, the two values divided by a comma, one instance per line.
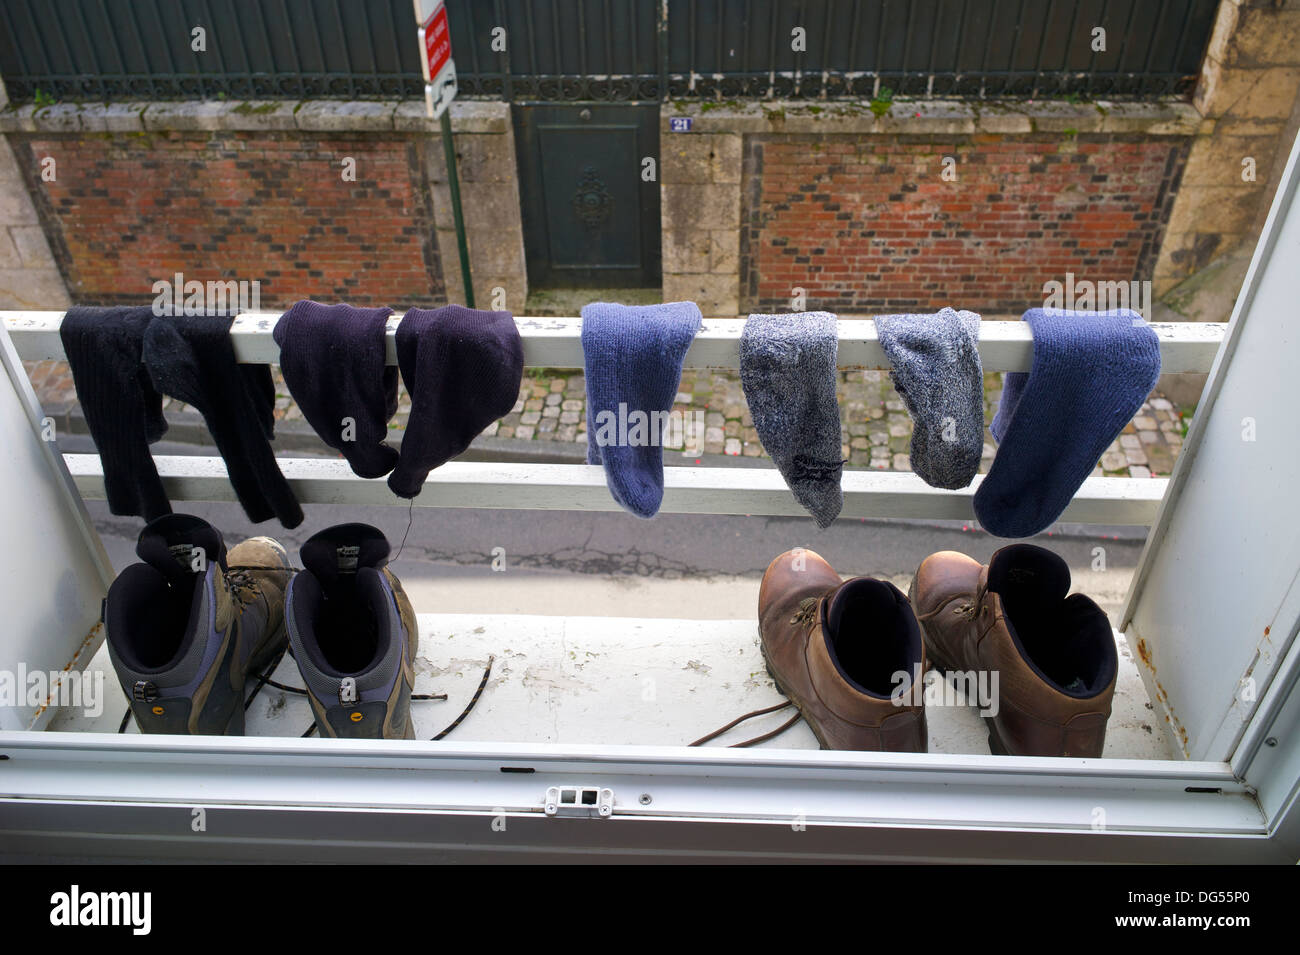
[188, 625]
[353, 635]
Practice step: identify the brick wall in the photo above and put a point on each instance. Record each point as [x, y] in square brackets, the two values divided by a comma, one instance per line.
[869, 224]
[128, 210]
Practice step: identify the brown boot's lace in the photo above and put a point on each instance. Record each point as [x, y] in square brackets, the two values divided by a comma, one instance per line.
[970, 609]
[805, 615]
[244, 586]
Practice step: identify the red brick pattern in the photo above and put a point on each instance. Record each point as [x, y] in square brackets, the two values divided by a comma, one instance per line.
[869, 225]
[127, 211]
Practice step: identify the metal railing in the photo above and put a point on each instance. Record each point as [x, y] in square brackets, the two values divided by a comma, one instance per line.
[604, 50]
[556, 343]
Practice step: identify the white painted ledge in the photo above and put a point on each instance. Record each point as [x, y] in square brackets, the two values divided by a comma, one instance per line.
[556, 342]
[581, 681]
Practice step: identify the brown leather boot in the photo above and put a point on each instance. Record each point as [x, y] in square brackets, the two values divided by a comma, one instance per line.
[837, 650]
[1053, 656]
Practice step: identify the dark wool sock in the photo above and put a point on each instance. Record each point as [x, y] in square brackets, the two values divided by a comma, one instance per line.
[1090, 374]
[462, 367]
[788, 372]
[333, 361]
[192, 358]
[935, 366]
[104, 348]
[633, 362]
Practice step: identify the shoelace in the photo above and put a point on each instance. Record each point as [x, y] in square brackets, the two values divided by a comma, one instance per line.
[757, 739]
[805, 615]
[970, 609]
[244, 586]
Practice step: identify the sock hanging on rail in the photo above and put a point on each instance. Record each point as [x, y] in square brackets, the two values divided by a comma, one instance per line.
[1090, 375]
[191, 357]
[462, 367]
[104, 348]
[333, 361]
[788, 372]
[633, 363]
[935, 365]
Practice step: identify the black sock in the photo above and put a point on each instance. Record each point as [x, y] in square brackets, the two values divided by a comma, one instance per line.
[123, 410]
[192, 358]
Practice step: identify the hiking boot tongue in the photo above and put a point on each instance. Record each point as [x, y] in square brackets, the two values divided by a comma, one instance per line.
[336, 554]
[180, 547]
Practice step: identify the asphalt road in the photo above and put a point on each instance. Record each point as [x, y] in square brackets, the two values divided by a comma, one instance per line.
[613, 564]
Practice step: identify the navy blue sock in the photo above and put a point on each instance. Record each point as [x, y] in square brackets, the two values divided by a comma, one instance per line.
[332, 358]
[633, 363]
[462, 367]
[1090, 374]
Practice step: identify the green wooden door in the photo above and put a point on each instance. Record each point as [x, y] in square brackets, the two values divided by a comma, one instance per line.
[590, 204]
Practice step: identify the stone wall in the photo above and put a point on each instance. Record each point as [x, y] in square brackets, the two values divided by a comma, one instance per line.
[489, 196]
[854, 208]
[869, 224]
[127, 210]
[1247, 94]
[258, 191]
[29, 277]
[700, 214]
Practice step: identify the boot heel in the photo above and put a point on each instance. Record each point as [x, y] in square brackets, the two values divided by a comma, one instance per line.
[941, 666]
[278, 641]
[935, 662]
[770, 672]
[996, 746]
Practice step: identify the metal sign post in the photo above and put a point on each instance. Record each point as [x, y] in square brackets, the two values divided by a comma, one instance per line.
[439, 91]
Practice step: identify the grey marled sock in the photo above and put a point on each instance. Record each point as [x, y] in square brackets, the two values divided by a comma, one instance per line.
[935, 364]
[788, 373]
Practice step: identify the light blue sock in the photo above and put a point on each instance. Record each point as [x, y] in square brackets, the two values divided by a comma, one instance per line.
[633, 364]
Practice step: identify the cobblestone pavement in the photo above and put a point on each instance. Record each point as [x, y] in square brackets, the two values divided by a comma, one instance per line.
[875, 428]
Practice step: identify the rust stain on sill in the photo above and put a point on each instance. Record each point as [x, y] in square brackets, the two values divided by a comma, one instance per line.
[1162, 696]
[1145, 654]
[91, 639]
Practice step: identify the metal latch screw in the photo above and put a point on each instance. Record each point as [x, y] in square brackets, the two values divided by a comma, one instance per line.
[579, 801]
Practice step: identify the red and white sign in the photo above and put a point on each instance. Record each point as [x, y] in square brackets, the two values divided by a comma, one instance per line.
[435, 58]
